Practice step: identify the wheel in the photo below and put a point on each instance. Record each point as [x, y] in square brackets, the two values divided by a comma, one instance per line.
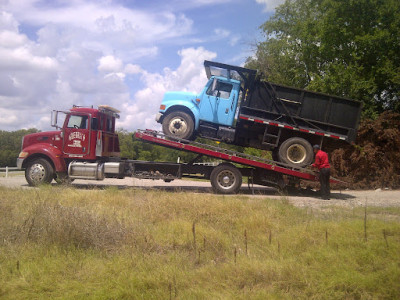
[226, 179]
[296, 152]
[178, 124]
[39, 171]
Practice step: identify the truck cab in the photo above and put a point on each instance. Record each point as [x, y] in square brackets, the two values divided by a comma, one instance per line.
[211, 114]
[89, 133]
[87, 139]
[218, 101]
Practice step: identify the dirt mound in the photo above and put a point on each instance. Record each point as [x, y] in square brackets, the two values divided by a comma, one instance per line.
[374, 162]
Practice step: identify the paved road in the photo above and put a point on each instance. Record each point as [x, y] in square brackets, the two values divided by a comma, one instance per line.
[348, 198]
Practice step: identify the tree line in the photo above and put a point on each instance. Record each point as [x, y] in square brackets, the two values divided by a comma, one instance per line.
[10, 145]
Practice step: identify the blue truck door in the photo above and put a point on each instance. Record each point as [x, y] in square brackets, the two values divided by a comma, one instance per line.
[218, 104]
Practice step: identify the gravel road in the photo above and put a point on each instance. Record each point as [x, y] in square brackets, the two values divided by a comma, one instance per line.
[346, 198]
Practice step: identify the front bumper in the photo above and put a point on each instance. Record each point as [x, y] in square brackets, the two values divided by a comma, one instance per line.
[159, 117]
[20, 162]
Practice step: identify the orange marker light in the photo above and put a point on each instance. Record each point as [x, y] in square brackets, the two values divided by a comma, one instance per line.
[162, 106]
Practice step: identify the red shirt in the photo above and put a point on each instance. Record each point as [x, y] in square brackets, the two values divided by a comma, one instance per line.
[321, 160]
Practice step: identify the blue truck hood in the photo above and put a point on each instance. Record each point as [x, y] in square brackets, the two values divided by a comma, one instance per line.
[183, 96]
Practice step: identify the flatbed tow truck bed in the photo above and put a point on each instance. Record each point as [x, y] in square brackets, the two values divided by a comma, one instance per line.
[225, 178]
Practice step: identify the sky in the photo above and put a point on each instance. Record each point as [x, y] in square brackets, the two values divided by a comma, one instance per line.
[123, 53]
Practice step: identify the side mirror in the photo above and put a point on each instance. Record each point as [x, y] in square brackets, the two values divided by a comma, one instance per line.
[54, 119]
[54, 115]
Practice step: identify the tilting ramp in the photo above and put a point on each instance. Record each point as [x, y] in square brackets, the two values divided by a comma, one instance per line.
[160, 139]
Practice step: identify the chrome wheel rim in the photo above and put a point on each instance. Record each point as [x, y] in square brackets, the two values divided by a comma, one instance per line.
[296, 154]
[226, 179]
[177, 126]
[37, 173]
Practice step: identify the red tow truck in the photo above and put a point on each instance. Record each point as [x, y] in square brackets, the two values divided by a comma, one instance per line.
[87, 147]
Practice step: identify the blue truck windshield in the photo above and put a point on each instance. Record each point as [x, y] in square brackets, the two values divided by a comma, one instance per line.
[222, 90]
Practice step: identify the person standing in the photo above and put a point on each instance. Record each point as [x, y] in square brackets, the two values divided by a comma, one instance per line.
[322, 164]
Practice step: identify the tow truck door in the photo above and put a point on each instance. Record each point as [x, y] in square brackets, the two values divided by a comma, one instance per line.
[218, 104]
[77, 134]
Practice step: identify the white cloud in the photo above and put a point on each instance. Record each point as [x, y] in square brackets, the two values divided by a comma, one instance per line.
[6, 119]
[270, 5]
[109, 63]
[140, 112]
[113, 24]
[11, 39]
[26, 76]
[132, 69]
[7, 22]
[81, 53]
[23, 58]
[56, 72]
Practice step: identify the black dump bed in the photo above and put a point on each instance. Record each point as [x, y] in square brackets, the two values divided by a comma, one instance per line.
[301, 108]
[291, 106]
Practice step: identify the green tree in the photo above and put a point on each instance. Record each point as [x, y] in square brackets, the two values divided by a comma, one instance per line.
[10, 145]
[349, 48]
[127, 145]
[132, 148]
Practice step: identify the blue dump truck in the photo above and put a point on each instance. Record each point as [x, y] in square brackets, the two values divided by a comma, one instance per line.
[239, 107]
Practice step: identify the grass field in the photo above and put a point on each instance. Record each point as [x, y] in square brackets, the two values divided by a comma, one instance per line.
[11, 173]
[63, 243]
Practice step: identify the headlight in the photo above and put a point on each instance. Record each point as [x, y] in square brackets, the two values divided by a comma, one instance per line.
[23, 154]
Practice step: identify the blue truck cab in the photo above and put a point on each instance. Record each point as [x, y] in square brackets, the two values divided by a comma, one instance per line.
[210, 114]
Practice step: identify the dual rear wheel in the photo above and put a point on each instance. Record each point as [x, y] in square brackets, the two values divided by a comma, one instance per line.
[296, 152]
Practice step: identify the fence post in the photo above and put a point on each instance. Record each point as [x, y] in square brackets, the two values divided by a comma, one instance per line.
[6, 172]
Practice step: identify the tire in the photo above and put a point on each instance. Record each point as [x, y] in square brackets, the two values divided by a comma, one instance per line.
[296, 152]
[39, 171]
[226, 179]
[178, 124]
